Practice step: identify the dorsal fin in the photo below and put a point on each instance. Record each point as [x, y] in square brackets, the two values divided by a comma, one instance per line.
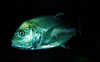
[59, 14]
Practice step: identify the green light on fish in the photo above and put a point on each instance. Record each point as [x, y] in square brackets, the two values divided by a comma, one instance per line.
[43, 32]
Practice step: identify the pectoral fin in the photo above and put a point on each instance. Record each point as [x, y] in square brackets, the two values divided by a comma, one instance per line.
[47, 35]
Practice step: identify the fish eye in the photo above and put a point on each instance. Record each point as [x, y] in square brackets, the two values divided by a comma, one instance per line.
[22, 33]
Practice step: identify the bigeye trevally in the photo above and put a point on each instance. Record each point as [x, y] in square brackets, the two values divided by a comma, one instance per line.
[43, 32]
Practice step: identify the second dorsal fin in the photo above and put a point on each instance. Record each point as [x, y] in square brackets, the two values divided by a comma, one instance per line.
[59, 14]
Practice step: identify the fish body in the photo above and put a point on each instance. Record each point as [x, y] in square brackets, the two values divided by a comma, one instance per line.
[43, 32]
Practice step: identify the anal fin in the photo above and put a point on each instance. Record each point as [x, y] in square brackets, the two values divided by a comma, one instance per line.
[65, 46]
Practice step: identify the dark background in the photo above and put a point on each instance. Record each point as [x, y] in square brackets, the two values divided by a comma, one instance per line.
[14, 12]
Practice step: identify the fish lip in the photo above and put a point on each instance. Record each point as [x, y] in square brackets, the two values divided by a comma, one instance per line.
[14, 44]
[20, 48]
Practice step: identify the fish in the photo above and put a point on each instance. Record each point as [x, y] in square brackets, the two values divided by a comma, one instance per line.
[43, 32]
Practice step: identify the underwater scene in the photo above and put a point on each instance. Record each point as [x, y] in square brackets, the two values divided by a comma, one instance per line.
[50, 31]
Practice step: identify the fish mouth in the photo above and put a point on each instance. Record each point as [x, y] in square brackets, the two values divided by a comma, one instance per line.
[19, 45]
[21, 48]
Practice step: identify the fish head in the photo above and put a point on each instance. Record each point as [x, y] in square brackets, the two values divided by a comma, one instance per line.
[23, 38]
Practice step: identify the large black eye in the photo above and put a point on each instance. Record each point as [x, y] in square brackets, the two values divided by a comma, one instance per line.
[21, 32]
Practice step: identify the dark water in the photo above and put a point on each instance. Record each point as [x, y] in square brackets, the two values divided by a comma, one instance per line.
[87, 50]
